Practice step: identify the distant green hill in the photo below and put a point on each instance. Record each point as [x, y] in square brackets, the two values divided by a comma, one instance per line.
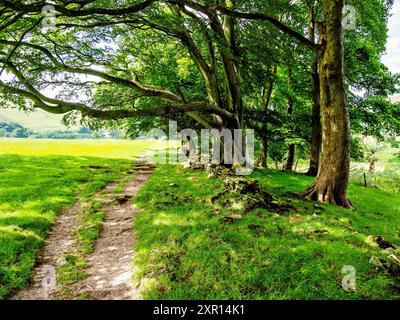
[38, 121]
[43, 125]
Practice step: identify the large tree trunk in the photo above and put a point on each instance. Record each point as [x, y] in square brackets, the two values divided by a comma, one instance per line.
[231, 67]
[291, 150]
[316, 108]
[290, 158]
[264, 152]
[316, 124]
[332, 180]
[265, 99]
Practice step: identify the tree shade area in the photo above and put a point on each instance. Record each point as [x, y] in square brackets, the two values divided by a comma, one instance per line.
[307, 77]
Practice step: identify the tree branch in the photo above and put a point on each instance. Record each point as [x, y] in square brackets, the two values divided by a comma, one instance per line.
[38, 6]
[264, 17]
[208, 9]
[145, 89]
[18, 43]
[57, 106]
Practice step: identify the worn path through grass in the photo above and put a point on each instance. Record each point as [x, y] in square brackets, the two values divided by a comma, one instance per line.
[88, 254]
[40, 178]
[33, 191]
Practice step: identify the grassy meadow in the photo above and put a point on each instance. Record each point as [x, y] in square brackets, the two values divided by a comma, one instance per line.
[186, 252]
[40, 177]
[117, 149]
[183, 250]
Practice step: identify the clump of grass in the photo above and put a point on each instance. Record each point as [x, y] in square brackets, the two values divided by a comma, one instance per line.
[90, 223]
[75, 262]
[72, 270]
[121, 185]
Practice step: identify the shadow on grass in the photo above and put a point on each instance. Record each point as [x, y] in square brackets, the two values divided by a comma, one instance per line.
[184, 251]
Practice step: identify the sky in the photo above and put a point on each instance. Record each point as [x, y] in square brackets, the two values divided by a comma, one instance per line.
[391, 59]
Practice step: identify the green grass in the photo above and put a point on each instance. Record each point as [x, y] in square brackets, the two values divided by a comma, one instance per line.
[388, 180]
[40, 177]
[32, 192]
[183, 251]
[118, 149]
[90, 219]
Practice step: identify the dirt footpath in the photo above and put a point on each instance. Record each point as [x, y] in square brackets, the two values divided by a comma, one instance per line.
[110, 264]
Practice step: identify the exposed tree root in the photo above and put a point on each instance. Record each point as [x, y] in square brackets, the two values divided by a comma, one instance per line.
[327, 195]
[250, 194]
